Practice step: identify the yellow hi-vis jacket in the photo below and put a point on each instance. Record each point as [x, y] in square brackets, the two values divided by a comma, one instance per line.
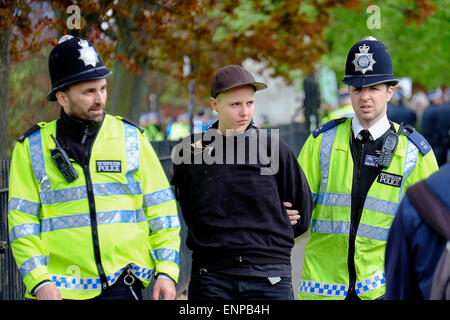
[51, 230]
[328, 165]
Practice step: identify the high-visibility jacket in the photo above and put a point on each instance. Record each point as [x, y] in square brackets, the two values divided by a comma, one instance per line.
[344, 111]
[120, 212]
[179, 130]
[328, 165]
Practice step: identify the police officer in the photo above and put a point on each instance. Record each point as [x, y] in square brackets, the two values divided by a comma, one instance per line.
[91, 213]
[436, 125]
[358, 169]
[398, 112]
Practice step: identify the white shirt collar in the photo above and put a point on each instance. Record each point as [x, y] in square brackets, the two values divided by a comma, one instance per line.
[376, 130]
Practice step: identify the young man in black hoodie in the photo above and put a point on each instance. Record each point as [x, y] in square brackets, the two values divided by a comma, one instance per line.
[233, 183]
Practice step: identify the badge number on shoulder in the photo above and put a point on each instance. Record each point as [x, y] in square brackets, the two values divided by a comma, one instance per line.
[109, 166]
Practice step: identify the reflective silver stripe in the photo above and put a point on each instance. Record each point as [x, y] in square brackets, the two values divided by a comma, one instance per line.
[24, 230]
[412, 153]
[157, 197]
[380, 205]
[164, 223]
[345, 200]
[325, 155]
[322, 288]
[36, 155]
[87, 284]
[371, 283]
[330, 227]
[343, 227]
[25, 206]
[83, 220]
[340, 290]
[166, 255]
[335, 199]
[31, 264]
[100, 189]
[132, 147]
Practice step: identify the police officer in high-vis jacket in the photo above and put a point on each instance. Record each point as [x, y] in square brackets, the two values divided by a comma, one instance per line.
[91, 213]
[358, 169]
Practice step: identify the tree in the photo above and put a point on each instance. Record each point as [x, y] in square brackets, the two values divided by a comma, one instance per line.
[416, 33]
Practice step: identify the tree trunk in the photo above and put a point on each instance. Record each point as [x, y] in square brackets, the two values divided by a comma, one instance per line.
[128, 89]
[4, 90]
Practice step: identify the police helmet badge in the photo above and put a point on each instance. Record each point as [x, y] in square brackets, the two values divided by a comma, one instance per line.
[87, 53]
[364, 60]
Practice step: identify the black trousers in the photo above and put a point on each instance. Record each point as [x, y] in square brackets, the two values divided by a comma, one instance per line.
[121, 291]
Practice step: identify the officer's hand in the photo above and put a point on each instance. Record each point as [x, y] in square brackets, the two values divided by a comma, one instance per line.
[48, 292]
[165, 288]
[294, 215]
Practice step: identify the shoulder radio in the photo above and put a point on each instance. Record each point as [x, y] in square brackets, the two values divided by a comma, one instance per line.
[62, 161]
[388, 149]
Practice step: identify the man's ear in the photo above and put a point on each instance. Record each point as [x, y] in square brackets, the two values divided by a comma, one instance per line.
[390, 92]
[62, 98]
[213, 103]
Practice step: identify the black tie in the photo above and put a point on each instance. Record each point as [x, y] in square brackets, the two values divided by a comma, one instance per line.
[365, 134]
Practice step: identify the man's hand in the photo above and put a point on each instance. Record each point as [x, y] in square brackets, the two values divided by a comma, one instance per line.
[165, 288]
[294, 215]
[48, 292]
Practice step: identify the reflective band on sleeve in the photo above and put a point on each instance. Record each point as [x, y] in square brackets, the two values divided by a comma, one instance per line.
[157, 197]
[31, 264]
[166, 255]
[24, 230]
[25, 206]
[164, 223]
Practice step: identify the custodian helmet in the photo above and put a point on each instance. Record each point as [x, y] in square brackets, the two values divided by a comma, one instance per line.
[368, 63]
[74, 60]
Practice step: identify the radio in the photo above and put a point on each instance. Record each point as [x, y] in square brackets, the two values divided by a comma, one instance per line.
[387, 151]
[63, 163]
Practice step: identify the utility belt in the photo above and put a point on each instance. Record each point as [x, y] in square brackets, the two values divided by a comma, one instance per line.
[214, 262]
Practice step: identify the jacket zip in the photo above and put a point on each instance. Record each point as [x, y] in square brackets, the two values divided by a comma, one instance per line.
[92, 210]
[353, 230]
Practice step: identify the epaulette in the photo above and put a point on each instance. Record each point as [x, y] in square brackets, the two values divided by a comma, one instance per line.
[35, 127]
[130, 122]
[327, 126]
[416, 138]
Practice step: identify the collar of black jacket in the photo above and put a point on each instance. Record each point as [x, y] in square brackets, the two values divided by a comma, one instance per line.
[215, 125]
[75, 127]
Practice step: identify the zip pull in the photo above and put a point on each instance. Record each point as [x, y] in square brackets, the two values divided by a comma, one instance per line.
[86, 130]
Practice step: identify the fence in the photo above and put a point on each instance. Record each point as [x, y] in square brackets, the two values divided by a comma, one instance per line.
[11, 285]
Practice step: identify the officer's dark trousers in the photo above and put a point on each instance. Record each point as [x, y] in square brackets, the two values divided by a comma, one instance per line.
[120, 291]
[220, 286]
